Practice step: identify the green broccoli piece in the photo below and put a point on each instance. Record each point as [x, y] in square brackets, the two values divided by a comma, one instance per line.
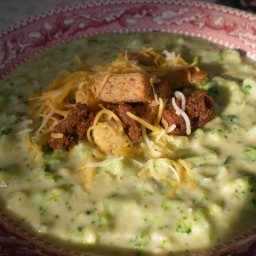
[250, 154]
[183, 225]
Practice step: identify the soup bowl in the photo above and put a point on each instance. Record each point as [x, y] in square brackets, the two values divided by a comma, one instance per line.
[223, 26]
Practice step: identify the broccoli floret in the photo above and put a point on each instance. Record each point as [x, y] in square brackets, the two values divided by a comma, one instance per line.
[250, 154]
[183, 225]
[52, 161]
[141, 240]
[230, 118]
[249, 86]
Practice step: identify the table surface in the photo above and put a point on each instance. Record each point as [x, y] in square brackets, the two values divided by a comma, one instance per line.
[11, 11]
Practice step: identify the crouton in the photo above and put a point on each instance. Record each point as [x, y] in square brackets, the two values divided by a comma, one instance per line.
[86, 96]
[109, 138]
[197, 75]
[184, 77]
[132, 128]
[199, 108]
[148, 111]
[163, 90]
[131, 87]
[171, 117]
[73, 128]
[145, 60]
[177, 78]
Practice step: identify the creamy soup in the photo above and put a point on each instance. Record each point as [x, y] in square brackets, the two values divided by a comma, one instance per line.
[122, 209]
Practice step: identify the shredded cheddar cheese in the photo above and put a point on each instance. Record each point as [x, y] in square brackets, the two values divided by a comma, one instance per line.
[152, 80]
[89, 135]
[82, 64]
[56, 111]
[175, 172]
[165, 124]
[57, 135]
[30, 145]
[46, 119]
[99, 90]
[90, 173]
[142, 122]
[179, 168]
[160, 111]
[56, 102]
[110, 114]
[154, 147]
[103, 163]
[188, 171]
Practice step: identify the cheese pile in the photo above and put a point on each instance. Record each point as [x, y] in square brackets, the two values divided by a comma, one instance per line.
[56, 101]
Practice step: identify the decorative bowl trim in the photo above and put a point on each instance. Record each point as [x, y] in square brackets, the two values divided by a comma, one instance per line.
[216, 23]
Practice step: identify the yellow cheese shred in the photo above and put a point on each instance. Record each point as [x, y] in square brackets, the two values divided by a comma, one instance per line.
[182, 173]
[82, 64]
[30, 145]
[89, 134]
[85, 176]
[189, 173]
[55, 104]
[56, 111]
[57, 135]
[109, 113]
[142, 122]
[101, 87]
[90, 173]
[97, 118]
[160, 111]
[165, 124]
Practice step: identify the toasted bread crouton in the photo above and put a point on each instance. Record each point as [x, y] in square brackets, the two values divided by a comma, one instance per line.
[184, 77]
[197, 75]
[163, 90]
[73, 128]
[109, 138]
[145, 60]
[131, 87]
[131, 127]
[177, 78]
[200, 108]
[85, 96]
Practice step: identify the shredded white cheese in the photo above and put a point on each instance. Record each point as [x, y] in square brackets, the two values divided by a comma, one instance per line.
[168, 129]
[153, 149]
[45, 121]
[172, 169]
[102, 85]
[180, 96]
[153, 172]
[179, 111]
[138, 163]
[154, 92]
[171, 128]
[160, 111]
[170, 56]
[103, 163]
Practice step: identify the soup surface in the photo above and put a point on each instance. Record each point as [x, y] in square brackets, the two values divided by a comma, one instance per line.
[123, 206]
